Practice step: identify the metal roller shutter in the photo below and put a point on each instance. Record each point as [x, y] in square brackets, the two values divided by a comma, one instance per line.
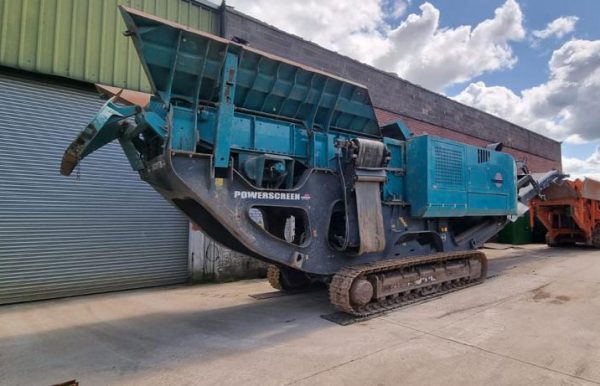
[60, 236]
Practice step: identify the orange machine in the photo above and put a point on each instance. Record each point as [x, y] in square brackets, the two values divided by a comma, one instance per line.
[570, 211]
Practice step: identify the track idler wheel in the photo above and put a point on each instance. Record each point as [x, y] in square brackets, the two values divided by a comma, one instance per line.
[287, 279]
[361, 292]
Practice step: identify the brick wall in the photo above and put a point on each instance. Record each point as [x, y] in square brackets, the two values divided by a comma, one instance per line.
[421, 109]
[534, 162]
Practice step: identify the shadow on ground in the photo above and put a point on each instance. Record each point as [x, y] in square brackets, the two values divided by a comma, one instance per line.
[127, 344]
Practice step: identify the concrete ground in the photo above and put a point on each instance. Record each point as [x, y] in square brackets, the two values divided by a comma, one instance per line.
[535, 322]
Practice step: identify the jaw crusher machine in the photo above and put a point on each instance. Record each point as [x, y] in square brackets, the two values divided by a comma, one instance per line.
[570, 212]
[287, 164]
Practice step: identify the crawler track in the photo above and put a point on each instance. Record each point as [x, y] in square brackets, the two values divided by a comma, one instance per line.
[443, 281]
[288, 280]
[274, 276]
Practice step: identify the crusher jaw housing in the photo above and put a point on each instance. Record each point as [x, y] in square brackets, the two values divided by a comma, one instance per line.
[287, 164]
[570, 212]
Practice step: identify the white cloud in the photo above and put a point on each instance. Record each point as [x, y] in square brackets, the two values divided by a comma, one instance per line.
[566, 107]
[422, 52]
[417, 49]
[580, 168]
[557, 27]
[575, 139]
[394, 8]
[329, 23]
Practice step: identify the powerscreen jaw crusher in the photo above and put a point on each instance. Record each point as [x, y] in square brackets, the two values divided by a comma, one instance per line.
[287, 164]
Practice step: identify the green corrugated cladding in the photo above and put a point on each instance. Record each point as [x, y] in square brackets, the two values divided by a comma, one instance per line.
[83, 40]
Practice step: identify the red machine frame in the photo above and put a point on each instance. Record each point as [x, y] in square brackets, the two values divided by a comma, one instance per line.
[570, 211]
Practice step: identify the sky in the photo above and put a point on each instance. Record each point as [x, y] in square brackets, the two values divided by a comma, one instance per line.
[532, 62]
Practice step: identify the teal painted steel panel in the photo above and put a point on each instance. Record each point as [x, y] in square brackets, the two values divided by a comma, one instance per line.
[393, 189]
[186, 65]
[450, 179]
[436, 177]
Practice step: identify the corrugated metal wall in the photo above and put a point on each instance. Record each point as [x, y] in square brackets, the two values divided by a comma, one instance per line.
[60, 236]
[82, 39]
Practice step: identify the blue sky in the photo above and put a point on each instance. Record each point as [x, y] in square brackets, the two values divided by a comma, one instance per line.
[532, 66]
[533, 62]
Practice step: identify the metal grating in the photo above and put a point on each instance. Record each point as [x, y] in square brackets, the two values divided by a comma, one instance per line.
[60, 236]
[483, 156]
[448, 166]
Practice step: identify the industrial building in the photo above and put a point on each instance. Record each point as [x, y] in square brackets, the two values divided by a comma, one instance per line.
[67, 236]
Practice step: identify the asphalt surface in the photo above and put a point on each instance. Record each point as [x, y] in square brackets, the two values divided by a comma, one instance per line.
[535, 321]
